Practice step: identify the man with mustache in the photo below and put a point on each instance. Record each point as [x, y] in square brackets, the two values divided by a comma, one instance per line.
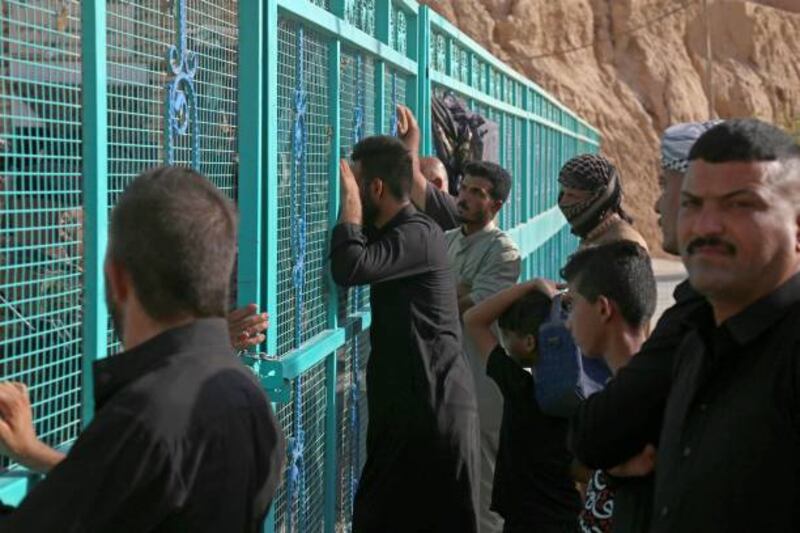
[422, 456]
[602, 437]
[183, 437]
[728, 458]
[485, 261]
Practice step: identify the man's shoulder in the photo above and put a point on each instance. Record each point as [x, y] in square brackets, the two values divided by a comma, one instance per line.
[501, 243]
[190, 390]
[503, 239]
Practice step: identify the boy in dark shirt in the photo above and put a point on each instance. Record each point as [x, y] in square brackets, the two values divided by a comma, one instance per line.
[534, 489]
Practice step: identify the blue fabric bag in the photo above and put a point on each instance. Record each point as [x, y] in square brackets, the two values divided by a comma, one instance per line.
[563, 376]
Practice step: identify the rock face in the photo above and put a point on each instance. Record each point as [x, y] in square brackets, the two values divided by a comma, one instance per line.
[633, 67]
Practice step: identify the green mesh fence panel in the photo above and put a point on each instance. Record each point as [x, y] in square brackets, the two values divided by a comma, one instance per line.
[315, 60]
[326, 4]
[510, 161]
[361, 14]
[438, 47]
[351, 436]
[314, 411]
[398, 29]
[40, 211]
[139, 36]
[400, 83]
[518, 174]
[349, 93]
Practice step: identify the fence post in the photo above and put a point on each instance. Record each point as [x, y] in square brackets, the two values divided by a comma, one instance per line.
[423, 96]
[95, 194]
[251, 152]
[331, 426]
[269, 182]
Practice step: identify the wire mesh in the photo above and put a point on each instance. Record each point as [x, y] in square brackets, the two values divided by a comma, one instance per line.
[361, 14]
[459, 63]
[393, 83]
[325, 4]
[139, 36]
[314, 409]
[398, 29]
[438, 48]
[41, 271]
[317, 150]
[356, 91]
[348, 438]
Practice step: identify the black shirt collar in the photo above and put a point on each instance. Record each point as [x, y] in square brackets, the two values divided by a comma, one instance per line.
[201, 336]
[685, 292]
[755, 319]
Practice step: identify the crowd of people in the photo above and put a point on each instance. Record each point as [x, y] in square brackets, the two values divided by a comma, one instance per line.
[696, 429]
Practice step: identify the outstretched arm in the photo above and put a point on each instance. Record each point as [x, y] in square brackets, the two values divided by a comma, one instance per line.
[478, 320]
[409, 133]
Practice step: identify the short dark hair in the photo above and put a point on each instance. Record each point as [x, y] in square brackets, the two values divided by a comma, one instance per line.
[526, 315]
[385, 157]
[744, 140]
[495, 174]
[622, 272]
[175, 234]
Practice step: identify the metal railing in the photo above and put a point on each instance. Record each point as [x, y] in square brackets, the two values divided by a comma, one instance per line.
[263, 97]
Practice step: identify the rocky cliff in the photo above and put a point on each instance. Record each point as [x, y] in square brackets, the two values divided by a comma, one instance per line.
[632, 67]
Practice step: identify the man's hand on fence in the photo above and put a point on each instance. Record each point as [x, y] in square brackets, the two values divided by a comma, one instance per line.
[247, 326]
[17, 436]
[351, 210]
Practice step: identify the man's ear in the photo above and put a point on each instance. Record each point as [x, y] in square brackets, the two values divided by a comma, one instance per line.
[606, 307]
[530, 343]
[497, 205]
[797, 233]
[438, 183]
[119, 282]
[376, 187]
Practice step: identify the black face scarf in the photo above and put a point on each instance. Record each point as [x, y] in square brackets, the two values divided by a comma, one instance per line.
[597, 175]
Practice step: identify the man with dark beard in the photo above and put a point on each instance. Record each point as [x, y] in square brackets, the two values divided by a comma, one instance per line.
[421, 467]
[183, 437]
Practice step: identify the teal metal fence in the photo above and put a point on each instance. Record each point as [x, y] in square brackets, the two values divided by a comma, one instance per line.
[263, 97]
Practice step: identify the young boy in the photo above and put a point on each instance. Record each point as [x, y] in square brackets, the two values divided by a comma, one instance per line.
[533, 486]
[612, 292]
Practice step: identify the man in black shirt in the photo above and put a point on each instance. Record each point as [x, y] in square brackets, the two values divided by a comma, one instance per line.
[533, 484]
[422, 447]
[183, 438]
[603, 439]
[728, 457]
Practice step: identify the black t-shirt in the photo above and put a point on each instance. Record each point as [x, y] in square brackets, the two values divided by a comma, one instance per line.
[532, 480]
[184, 439]
[441, 207]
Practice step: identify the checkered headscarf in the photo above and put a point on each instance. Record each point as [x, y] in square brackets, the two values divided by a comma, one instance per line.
[677, 142]
[594, 173]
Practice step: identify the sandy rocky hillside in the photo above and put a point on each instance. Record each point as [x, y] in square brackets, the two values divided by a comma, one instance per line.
[638, 66]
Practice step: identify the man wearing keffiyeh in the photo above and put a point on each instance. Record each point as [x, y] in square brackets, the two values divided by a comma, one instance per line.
[591, 200]
[675, 145]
